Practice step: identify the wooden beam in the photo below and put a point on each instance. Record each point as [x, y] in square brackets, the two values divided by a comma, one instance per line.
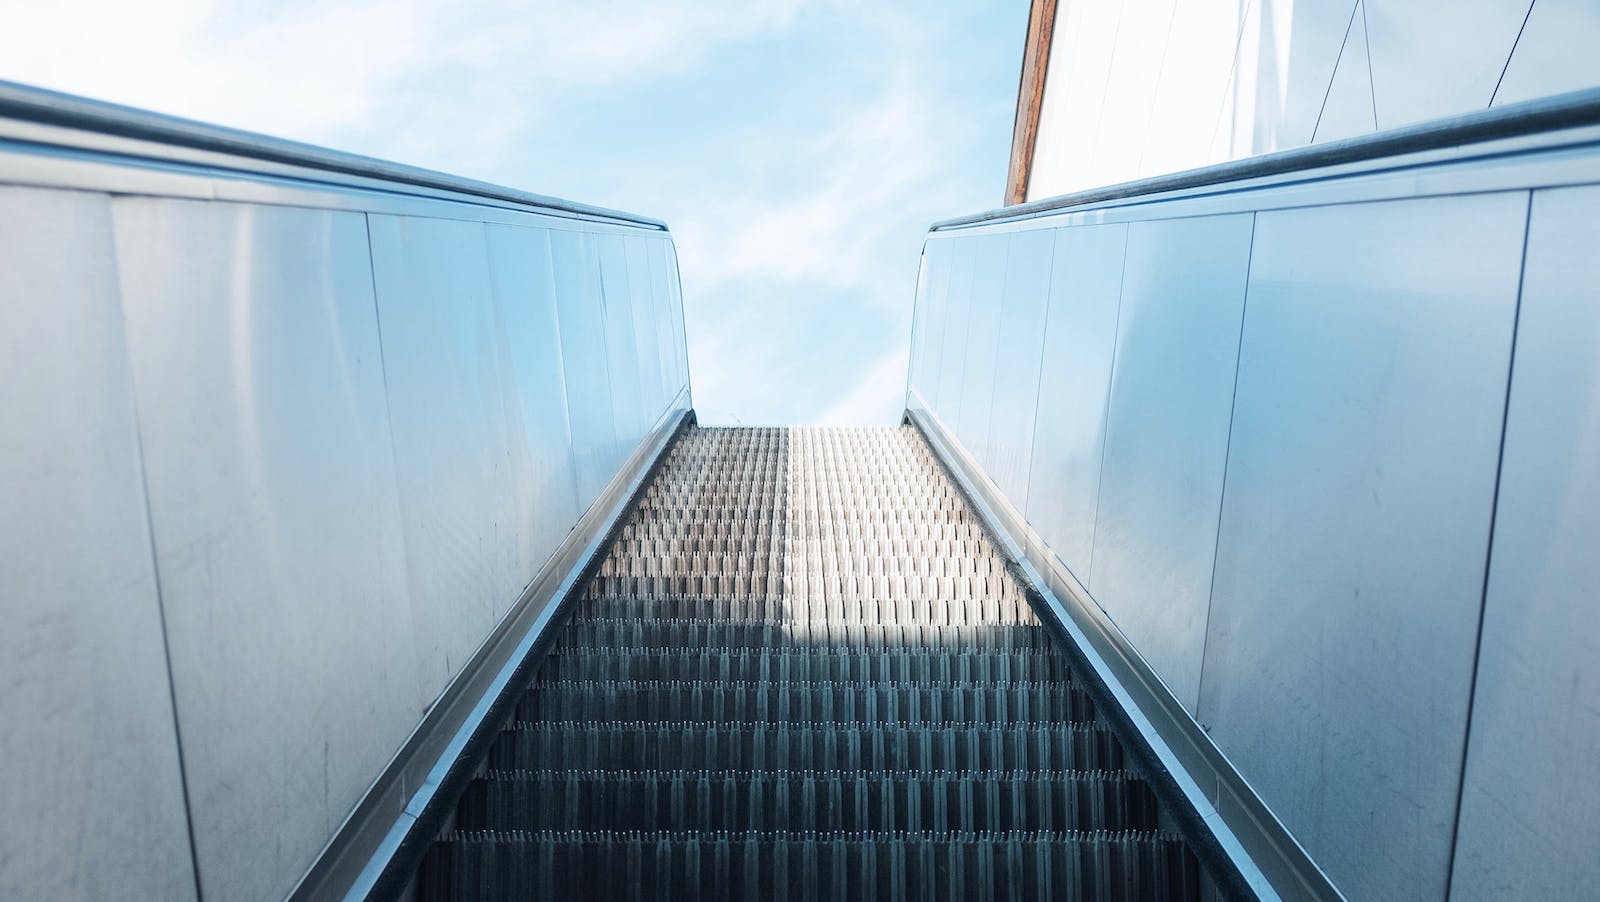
[1030, 97]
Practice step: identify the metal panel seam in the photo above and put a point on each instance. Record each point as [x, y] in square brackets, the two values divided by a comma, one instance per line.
[1510, 54]
[155, 569]
[1222, 494]
[1488, 554]
[1105, 410]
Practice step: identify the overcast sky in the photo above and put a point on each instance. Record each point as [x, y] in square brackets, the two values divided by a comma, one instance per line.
[797, 150]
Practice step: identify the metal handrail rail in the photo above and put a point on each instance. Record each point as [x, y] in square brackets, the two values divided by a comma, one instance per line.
[1562, 111]
[44, 107]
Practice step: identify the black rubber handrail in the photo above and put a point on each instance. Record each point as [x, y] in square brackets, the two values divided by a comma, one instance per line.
[1547, 114]
[29, 104]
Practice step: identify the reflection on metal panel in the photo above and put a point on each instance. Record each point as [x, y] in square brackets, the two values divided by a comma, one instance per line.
[1167, 436]
[255, 353]
[451, 448]
[666, 334]
[622, 356]
[583, 358]
[982, 335]
[925, 369]
[947, 400]
[1555, 52]
[680, 326]
[1528, 826]
[1080, 331]
[93, 798]
[1350, 555]
[652, 381]
[543, 473]
[1016, 369]
[1430, 60]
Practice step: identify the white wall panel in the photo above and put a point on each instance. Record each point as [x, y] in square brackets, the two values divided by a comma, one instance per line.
[1074, 94]
[1167, 436]
[1528, 827]
[441, 340]
[1350, 557]
[1194, 76]
[1121, 133]
[1286, 62]
[543, 471]
[1438, 59]
[255, 353]
[583, 359]
[1074, 381]
[1021, 344]
[93, 798]
[1347, 112]
[1555, 52]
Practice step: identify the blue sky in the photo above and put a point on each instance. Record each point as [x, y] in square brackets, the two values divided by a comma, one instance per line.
[797, 150]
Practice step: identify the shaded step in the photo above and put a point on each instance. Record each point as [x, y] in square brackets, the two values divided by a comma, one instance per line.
[826, 802]
[665, 866]
[804, 702]
[544, 745]
[756, 634]
[976, 612]
[809, 665]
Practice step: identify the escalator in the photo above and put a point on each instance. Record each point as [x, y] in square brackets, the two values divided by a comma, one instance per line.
[803, 671]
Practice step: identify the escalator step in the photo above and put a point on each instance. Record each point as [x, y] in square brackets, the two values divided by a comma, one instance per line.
[1037, 747]
[808, 702]
[802, 670]
[815, 665]
[646, 867]
[852, 801]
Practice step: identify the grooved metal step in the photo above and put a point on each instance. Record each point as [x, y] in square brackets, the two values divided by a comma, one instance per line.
[803, 672]
[796, 702]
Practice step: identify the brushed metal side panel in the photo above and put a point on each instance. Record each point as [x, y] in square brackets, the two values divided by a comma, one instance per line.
[1021, 344]
[1432, 60]
[1555, 52]
[1167, 437]
[254, 345]
[647, 338]
[1528, 826]
[982, 337]
[931, 319]
[1074, 381]
[543, 474]
[1350, 555]
[679, 316]
[93, 797]
[452, 455]
[946, 401]
[668, 340]
[622, 348]
[583, 358]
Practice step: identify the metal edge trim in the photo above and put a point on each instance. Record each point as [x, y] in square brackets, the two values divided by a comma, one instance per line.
[1252, 839]
[361, 858]
[1549, 114]
[38, 105]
